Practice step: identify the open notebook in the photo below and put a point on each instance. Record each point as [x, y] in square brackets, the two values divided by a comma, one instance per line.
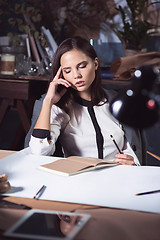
[74, 165]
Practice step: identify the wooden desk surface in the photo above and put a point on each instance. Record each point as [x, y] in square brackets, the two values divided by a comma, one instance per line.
[5, 153]
[105, 223]
[25, 77]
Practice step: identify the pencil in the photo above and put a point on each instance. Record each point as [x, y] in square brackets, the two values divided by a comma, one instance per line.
[115, 143]
[40, 191]
[149, 192]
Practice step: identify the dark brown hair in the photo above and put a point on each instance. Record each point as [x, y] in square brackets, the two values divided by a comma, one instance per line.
[83, 45]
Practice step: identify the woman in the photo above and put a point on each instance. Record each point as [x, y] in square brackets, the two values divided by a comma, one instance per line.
[75, 109]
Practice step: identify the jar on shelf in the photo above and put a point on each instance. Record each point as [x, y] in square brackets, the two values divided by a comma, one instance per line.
[7, 64]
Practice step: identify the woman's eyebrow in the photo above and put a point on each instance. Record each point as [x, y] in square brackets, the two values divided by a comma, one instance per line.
[65, 68]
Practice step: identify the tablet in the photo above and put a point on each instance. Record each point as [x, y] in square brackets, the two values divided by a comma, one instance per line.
[46, 225]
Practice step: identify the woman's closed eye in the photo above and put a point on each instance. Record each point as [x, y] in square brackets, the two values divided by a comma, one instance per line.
[66, 71]
[82, 65]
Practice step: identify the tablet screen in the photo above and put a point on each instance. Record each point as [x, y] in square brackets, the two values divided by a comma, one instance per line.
[40, 224]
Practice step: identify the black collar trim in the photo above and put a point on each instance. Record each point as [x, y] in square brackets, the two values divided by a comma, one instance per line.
[86, 103]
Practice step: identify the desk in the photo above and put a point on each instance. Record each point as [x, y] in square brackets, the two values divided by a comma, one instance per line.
[105, 223]
[20, 93]
[5, 153]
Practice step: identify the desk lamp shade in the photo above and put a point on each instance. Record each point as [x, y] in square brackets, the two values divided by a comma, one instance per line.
[134, 106]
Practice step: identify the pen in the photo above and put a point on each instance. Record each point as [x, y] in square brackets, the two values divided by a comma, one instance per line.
[115, 143]
[149, 192]
[40, 192]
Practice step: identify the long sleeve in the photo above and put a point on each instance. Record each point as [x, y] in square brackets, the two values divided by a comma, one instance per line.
[40, 144]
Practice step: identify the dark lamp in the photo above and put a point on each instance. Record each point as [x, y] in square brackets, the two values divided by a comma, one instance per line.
[136, 106]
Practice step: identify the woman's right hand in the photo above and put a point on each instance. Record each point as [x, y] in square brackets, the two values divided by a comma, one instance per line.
[52, 92]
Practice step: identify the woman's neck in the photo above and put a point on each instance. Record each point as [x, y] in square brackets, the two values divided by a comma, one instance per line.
[85, 95]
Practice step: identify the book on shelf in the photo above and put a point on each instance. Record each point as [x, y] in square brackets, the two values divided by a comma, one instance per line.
[34, 47]
[43, 54]
[75, 165]
[52, 45]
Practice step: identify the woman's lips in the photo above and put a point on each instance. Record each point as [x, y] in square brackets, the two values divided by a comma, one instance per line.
[80, 83]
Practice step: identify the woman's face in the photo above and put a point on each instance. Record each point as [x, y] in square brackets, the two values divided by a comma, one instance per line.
[79, 70]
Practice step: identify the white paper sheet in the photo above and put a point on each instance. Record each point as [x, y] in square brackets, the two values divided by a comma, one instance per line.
[110, 187]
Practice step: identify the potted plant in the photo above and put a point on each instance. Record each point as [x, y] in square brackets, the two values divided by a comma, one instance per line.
[135, 26]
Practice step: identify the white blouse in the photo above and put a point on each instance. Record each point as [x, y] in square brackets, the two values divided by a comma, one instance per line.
[78, 135]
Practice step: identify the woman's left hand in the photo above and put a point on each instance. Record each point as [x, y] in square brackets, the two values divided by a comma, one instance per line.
[124, 159]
